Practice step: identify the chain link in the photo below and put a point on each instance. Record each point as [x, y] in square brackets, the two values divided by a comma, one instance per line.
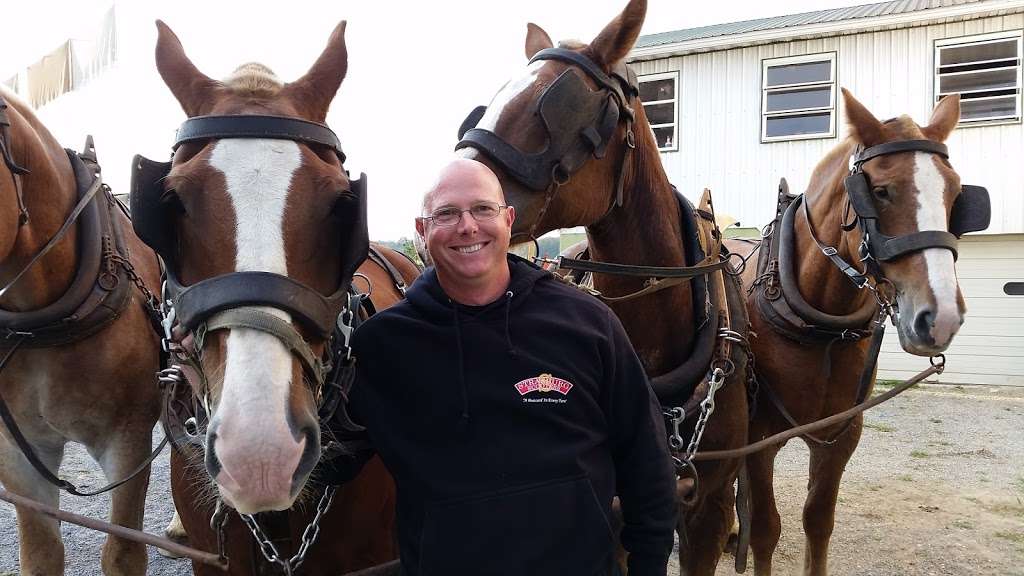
[707, 407]
[129, 270]
[309, 535]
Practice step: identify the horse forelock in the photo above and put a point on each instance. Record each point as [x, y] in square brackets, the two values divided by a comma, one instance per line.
[572, 44]
[254, 77]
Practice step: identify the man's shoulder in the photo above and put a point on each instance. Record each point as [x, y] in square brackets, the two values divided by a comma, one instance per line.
[389, 319]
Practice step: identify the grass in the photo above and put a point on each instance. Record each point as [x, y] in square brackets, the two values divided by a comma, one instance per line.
[920, 454]
[905, 478]
[879, 426]
[963, 524]
[1019, 484]
[1007, 510]
[935, 420]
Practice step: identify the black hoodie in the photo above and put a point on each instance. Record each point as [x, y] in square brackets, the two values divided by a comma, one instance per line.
[509, 428]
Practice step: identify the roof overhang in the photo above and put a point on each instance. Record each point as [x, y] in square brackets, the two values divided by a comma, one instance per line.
[837, 28]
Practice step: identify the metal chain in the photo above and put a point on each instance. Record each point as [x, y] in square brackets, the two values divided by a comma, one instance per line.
[129, 270]
[219, 522]
[707, 407]
[309, 535]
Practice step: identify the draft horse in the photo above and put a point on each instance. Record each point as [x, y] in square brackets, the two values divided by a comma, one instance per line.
[79, 348]
[860, 245]
[262, 232]
[572, 146]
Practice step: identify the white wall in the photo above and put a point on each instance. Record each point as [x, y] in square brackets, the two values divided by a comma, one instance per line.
[890, 72]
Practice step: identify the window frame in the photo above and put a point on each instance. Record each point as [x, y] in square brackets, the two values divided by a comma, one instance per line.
[832, 84]
[674, 76]
[974, 39]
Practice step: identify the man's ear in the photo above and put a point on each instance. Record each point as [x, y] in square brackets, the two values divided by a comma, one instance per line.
[510, 215]
[420, 229]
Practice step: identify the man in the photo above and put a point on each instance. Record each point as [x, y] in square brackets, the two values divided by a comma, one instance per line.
[510, 408]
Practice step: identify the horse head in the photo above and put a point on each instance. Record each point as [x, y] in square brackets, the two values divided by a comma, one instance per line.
[908, 200]
[570, 105]
[273, 206]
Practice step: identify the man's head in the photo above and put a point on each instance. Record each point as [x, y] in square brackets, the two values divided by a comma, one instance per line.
[468, 249]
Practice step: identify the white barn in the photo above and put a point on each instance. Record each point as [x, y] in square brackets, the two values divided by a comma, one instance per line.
[737, 106]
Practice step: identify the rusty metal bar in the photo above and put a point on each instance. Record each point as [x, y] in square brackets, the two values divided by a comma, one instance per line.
[119, 531]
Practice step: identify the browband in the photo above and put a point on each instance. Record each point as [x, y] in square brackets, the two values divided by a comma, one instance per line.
[901, 146]
[255, 126]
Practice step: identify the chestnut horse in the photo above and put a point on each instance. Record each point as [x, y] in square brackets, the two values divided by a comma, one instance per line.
[269, 207]
[814, 376]
[566, 100]
[66, 377]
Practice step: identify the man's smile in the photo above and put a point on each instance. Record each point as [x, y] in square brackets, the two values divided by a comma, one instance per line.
[471, 248]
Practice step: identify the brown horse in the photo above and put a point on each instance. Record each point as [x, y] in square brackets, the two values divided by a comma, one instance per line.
[561, 101]
[269, 206]
[814, 376]
[71, 379]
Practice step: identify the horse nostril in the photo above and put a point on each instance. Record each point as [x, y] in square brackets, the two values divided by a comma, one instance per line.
[923, 323]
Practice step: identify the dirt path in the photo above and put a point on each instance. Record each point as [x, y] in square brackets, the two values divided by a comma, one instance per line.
[936, 488]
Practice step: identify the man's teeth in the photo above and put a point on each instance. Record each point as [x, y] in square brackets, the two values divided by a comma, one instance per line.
[470, 249]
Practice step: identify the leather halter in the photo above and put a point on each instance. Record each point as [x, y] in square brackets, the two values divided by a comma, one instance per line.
[579, 122]
[233, 300]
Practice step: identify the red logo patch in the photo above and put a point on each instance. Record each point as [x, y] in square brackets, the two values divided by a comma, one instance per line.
[544, 383]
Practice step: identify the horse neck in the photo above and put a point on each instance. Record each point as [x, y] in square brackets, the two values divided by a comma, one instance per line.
[646, 230]
[49, 192]
[821, 283]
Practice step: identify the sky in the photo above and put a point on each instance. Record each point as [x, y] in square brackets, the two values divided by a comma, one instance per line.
[415, 70]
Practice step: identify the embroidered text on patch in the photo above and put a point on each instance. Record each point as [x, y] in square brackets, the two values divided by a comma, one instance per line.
[544, 383]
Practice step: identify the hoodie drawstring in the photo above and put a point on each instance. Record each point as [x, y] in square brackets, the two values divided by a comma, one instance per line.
[508, 323]
[464, 418]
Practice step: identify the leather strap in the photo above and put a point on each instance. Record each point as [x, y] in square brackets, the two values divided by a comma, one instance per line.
[250, 126]
[263, 321]
[900, 146]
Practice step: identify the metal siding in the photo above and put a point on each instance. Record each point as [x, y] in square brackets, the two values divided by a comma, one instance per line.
[890, 72]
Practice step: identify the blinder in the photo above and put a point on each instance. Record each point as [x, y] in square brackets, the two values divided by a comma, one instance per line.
[579, 122]
[154, 224]
[971, 210]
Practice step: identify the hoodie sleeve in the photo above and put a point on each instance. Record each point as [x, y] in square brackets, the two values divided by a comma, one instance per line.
[643, 467]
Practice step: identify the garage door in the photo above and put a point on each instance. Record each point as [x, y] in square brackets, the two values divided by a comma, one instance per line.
[989, 349]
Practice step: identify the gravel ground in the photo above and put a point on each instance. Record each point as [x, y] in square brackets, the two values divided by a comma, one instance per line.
[936, 488]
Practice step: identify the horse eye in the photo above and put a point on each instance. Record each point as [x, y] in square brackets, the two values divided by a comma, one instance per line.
[881, 192]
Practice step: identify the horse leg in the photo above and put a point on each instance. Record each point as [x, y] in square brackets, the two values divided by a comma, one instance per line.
[826, 472]
[119, 457]
[175, 531]
[41, 552]
[766, 525]
[704, 528]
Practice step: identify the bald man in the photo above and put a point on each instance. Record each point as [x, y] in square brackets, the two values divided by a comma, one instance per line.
[510, 408]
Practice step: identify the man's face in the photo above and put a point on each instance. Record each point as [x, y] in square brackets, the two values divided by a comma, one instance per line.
[469, 252]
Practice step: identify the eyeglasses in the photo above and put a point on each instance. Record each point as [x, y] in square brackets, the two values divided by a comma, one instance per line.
[450, 215]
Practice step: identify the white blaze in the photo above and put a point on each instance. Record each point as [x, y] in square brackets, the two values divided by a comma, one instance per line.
[258, 367]
[507, 93]
[931, 215]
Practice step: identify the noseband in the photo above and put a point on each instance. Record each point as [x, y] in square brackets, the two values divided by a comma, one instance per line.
[579, 122]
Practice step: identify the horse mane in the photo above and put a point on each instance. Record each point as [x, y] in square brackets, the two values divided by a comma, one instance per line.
[253, 77]
[571, 44]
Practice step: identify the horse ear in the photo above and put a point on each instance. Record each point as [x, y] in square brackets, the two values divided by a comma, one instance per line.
[191, 87]
[317, 88]
[944, 118]
[536, 40]
[863, 125]
[618, 37]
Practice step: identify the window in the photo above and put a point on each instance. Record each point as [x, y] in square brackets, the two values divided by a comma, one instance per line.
[661, 106]
[798, 98]
[986, 72]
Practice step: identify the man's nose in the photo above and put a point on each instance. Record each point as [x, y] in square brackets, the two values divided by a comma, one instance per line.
[467, 224]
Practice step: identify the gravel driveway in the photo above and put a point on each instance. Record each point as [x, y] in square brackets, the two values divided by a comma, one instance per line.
[936, 488]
